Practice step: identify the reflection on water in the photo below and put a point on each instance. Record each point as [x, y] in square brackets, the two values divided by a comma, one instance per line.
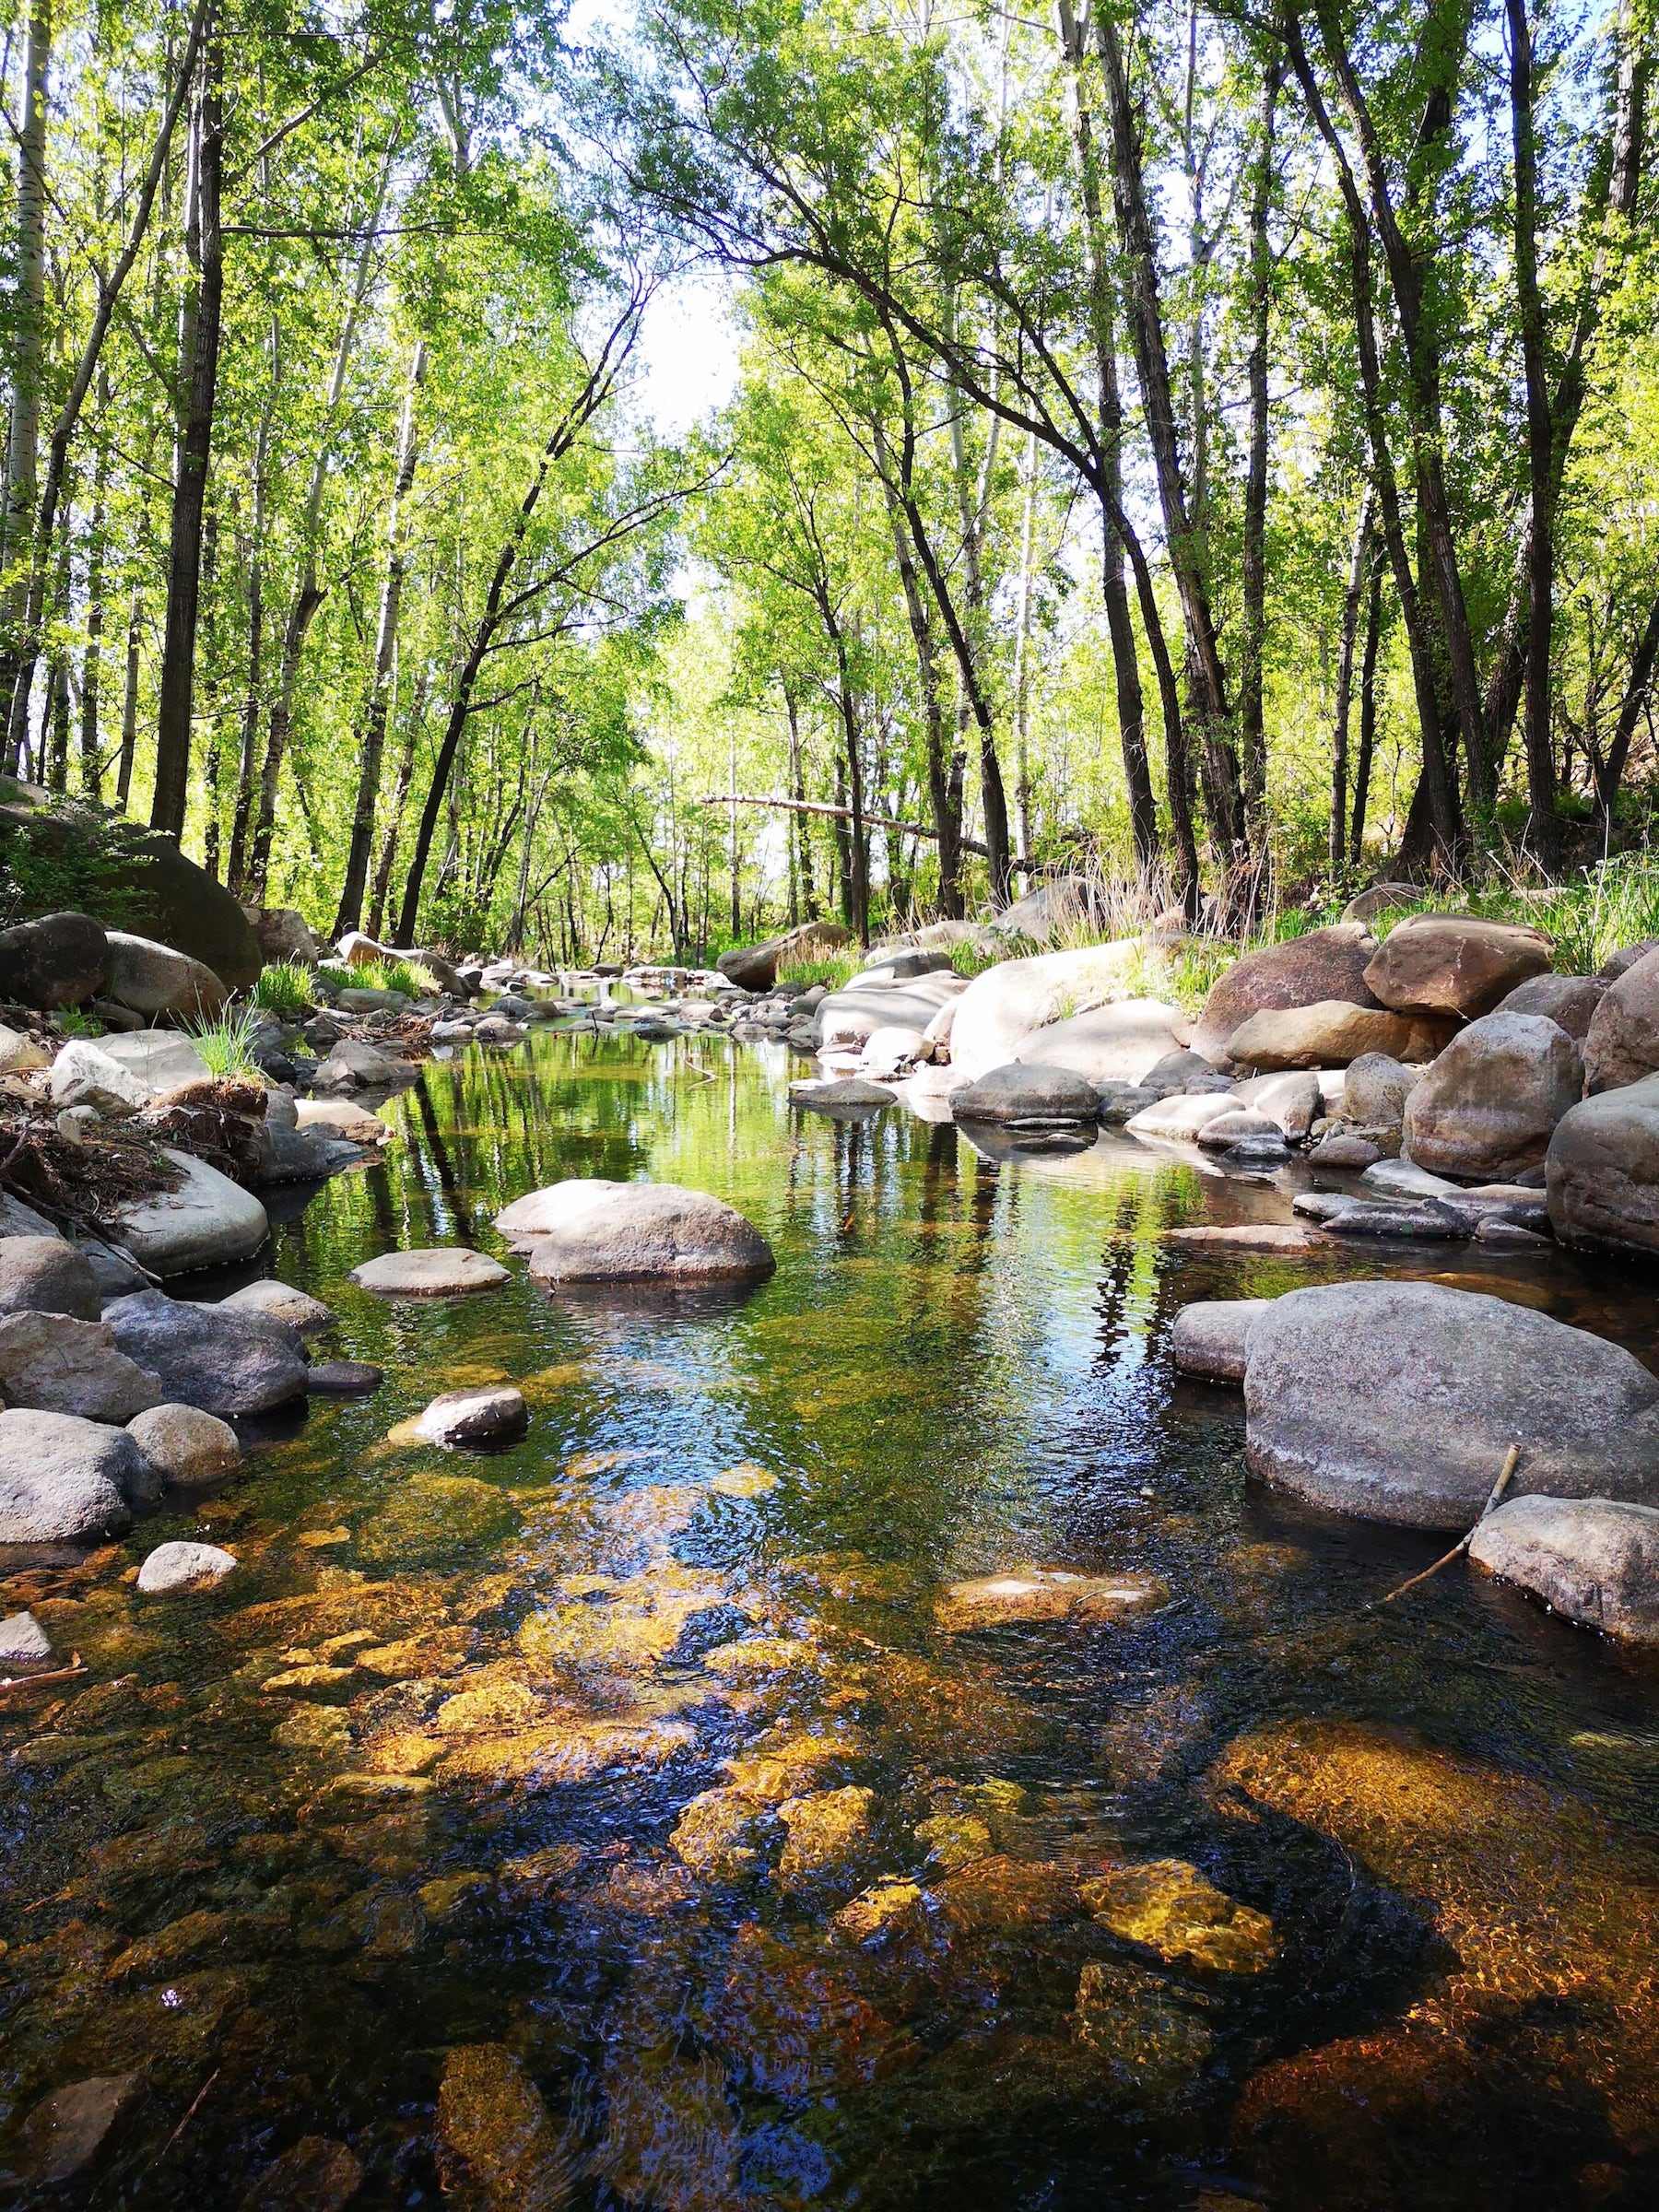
[626, 1819]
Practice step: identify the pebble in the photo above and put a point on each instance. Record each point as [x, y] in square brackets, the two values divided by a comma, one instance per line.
[172, 1568]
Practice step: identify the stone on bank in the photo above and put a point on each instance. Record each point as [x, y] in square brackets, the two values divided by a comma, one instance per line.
[589, 1229]
[1596, 1561]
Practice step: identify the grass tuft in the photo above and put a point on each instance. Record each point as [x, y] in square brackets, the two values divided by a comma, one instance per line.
[284, 988]
[226, 1044]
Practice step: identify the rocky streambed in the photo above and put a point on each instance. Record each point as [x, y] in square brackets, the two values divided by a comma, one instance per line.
[856, 1732]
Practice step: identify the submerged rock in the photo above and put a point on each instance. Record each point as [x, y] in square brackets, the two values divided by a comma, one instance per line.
[1398, 1401]
[589, 1229]
[1174, 1911]
[64, 1480]
[56, 1364]
[25, 1647]
[498, 2148]
[1591, 1559]
[317, 2174]
[1155, 2044]
[1044, 1593]
[172, 1568]
[435, 1271]
[47, 1275]
[829, 1839]
[720, 1834]
[65, 2134]
[1210, 1336]
[224, 1362]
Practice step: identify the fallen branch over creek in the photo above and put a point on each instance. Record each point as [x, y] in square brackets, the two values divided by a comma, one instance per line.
[1494, 1498]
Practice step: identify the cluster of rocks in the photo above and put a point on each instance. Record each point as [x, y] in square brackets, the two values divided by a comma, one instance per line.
[1399, 1402]
[109, 1403]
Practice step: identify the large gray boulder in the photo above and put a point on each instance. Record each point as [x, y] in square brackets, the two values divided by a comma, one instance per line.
[223, 1362]
[56, 1364]
[1381, 898]
[1293, 1100]
[161, 1060]
[1064, 902]
[153, 979]
[1326, 964]
[754, 967]
[1374, 1092]
[47, 1275]
[352, 1064]
[1003, 1009]
[185, 1445]
[1454, 964]
[1594, 1560]
[1569, 1001]
[847, 1019]
[1330, 1033]
[1116, 1043]
[430, 1271]
[1398, 1401]
[58, 960]
[1602, 1172]
[1488, 1107]
[283, 934]
[282, 1301]
[174, 1569]
[593, 1230]
[205, 1222]
[64, 1480]
[1621, 1044]
[1023, 1095]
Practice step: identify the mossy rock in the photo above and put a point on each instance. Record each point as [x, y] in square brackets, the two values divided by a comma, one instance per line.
[437, 1517]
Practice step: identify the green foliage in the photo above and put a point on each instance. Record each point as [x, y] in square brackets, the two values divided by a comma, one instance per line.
[68, 859]
[835, 969]
[284, 988]
[227, 1044]
[71, 1022]
[1587, 918]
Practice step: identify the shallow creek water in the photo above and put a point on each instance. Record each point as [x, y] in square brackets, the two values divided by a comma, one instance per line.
[1248, 1895]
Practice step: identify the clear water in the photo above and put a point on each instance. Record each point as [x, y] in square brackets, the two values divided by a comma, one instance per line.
[265, 1859]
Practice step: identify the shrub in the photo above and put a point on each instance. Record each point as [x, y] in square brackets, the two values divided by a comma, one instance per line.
[69, 858]
[835, 968]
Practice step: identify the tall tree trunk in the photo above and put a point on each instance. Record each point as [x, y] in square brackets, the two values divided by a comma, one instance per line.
[1609, 773]
[1434, 825]
[349, 915]
[843, 840]
[1125, 658]
[308, 593]
[91, 767]
[198, 362]
[1368, 711]
[944, 790]
[1358, 565]
[213, 757]
[1206, 677]
[129, 699]
[54, 734]
[1022, 651]
[1254, 580]
[28, 318]
[967, 633]
[251, 552]
[400, 793]
[1544, 827]
[798, 784]
[858, 879]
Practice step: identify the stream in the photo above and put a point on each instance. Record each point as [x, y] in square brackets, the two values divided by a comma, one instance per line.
[413, 1782]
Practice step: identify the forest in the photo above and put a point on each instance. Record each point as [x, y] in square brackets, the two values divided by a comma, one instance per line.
[1210, 447]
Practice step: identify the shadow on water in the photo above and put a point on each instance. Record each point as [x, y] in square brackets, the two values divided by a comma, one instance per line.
[617, 1819]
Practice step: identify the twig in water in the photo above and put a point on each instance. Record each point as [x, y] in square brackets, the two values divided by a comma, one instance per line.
[189, 2116]
[1494, 1495]
[58, 1673]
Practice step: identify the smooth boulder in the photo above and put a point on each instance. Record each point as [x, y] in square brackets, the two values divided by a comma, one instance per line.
[153, 979]
[493, 1414]
[1454, 964]
[846, 1021]
[85, 1075]
[594, 1230]
[1115, 1044]
[1000, 1011]
[1398, 1401]
[1023, 1095]
[1323, 965]
[1594, 1560]
[1211, 1335]
[1330, 1033]
[64, 1480]
[1569, 1001]
[1621, 1044]
[1489, 1105]
[172, 1569]
[161, 1060]
[223, 1363]
[754, 967]
[431, 1271]
[1602, 1172]
[1293, 1100]
[47, 1275]
[280, 1301]
[206, 1222]
[56, 1364]
[283, 934]
[1374, 1092]
[56, 960]
[1179, 1119]
[185, 1445]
